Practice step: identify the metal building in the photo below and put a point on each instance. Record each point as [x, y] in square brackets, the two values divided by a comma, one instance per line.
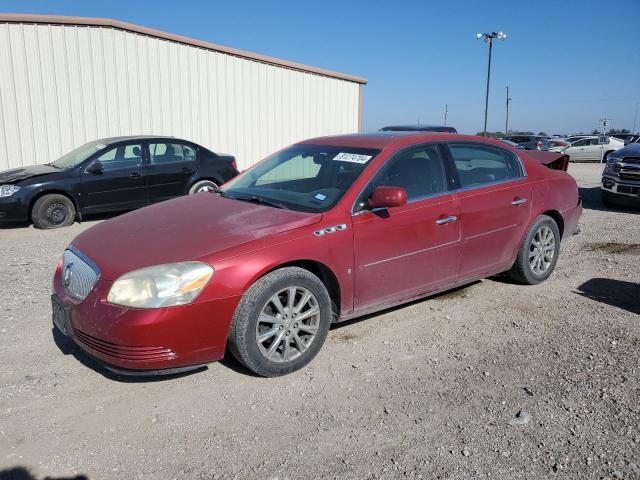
[68, 80]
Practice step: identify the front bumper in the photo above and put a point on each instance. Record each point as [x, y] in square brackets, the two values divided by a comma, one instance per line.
[617, 190]
[14, 209]
[127, 340]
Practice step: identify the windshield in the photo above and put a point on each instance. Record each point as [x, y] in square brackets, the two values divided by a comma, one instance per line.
[77, 156]
[307, 178]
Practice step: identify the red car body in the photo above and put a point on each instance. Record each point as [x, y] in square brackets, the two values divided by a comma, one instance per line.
[377, 261]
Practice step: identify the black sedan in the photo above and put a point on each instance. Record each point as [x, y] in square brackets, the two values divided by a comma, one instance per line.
[112, 174]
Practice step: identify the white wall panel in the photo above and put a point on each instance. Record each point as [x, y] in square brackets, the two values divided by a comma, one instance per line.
[64, 85]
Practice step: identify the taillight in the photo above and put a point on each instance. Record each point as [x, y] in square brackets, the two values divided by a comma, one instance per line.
[234, 164]
[539, 144]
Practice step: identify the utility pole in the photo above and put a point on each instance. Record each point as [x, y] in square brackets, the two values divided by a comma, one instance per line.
[446, 113]
[635, 118]
[506, 122]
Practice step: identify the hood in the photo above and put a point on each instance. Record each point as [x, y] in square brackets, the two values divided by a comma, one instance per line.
[186, 228]
[18, 174]
[631, 150]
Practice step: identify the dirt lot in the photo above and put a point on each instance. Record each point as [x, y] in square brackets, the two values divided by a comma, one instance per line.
[428, 390]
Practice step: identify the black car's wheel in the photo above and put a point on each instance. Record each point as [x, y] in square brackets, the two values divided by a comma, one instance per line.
[53, 211]
[203, 186]
[281, 322]
[538, 253]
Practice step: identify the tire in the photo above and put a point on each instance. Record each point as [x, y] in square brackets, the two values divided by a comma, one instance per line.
[534, 266]
[53, 211]
[288, 355]
[605, 201]
[203, 186]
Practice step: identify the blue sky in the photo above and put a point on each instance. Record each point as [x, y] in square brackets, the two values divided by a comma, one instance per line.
[568, 63]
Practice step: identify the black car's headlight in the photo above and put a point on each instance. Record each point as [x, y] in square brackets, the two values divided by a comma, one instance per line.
[8, 190]
[161, 285]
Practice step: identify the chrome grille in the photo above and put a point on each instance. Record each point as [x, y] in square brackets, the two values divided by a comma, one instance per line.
[79, 274]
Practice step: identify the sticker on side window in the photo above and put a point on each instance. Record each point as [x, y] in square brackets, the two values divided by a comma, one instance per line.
[352, 157]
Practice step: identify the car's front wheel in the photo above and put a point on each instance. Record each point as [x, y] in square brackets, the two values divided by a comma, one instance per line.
[281, 322]
[538, 253]
[53, 211]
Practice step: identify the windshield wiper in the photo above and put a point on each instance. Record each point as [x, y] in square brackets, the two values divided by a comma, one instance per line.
[222, 193]
[261, 201]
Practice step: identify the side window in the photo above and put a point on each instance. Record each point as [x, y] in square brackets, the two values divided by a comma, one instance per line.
[581, 143]
[420, 171]
[122, 156]
[171, 153]
[296, 168]
[479, 165]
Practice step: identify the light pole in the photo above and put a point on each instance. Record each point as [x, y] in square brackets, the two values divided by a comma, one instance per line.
[488, 38]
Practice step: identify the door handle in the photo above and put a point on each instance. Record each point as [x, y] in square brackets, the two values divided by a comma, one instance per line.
[445, 220]
[519, 201]
[135, 174]
[187, 170]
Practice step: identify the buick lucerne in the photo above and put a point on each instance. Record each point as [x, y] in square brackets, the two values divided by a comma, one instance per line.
[320, 232]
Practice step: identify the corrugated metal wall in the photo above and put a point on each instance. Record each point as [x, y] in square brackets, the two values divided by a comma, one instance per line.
[64, 85]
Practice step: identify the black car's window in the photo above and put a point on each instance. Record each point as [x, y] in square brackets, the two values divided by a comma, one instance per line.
[171, 153]
[479, 164]
[308, 178]
[122, 156]
[420, 171]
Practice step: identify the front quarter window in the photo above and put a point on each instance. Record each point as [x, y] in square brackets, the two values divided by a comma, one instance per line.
[308, 178]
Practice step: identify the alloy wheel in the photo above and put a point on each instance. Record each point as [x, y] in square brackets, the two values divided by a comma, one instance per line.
[288, 324]
[542, 250]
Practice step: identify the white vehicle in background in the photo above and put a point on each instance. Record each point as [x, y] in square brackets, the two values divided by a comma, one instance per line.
[592, 149]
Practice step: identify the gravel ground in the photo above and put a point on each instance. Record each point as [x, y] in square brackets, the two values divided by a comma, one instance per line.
[492, 380]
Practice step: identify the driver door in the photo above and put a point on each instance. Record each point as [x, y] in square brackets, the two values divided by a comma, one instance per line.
[407, 251]
[115, 180]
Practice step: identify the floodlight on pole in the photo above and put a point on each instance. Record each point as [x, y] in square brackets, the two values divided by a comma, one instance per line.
[488, 38]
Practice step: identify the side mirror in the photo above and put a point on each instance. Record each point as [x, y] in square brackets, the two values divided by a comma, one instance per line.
[388, 197]
[95, 168]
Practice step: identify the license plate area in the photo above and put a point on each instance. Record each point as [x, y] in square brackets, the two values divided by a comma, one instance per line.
[61, 316]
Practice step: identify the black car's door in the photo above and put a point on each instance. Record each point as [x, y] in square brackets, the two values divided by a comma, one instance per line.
[172, 165]
[115, 179]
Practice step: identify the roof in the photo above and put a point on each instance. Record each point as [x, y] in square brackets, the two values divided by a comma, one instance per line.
[384, 139]
[130, 27]
[417, 127]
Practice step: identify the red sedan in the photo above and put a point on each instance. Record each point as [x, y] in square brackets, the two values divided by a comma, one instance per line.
[320, 232]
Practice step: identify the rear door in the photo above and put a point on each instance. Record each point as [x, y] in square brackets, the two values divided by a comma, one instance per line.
[172, 165]
[405, 251]
[578, 150]
[115, 179]
[495, 206]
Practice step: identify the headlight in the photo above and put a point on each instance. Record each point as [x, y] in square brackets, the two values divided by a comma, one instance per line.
[160, 286]
[8, 190]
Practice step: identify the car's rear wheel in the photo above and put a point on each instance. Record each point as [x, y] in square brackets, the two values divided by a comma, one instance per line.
[538, 253]
[203, 186]
[53, 211]
[281, 322]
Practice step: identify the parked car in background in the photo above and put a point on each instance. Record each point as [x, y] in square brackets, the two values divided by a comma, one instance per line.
[419, 128]
[621, 177]
[513, 144]
[635, 138]
[530, 142]
[575, 138]
[557, 143]
[323, 231]
[112, 174]
[592, 149]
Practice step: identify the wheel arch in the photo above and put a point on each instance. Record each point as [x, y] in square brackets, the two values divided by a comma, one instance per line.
[320, 270]
[55, 191]
[210, 178]
[557, 217]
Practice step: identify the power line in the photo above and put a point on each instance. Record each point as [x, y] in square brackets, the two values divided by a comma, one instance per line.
[586, 100]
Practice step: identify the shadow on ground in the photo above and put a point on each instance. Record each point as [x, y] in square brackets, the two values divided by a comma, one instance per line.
[592, 200]
[21, 473]
[617, 293]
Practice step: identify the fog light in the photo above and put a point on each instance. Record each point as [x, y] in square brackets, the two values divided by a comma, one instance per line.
[608, 184]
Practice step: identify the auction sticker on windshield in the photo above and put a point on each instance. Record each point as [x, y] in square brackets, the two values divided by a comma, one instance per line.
[352, 157]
